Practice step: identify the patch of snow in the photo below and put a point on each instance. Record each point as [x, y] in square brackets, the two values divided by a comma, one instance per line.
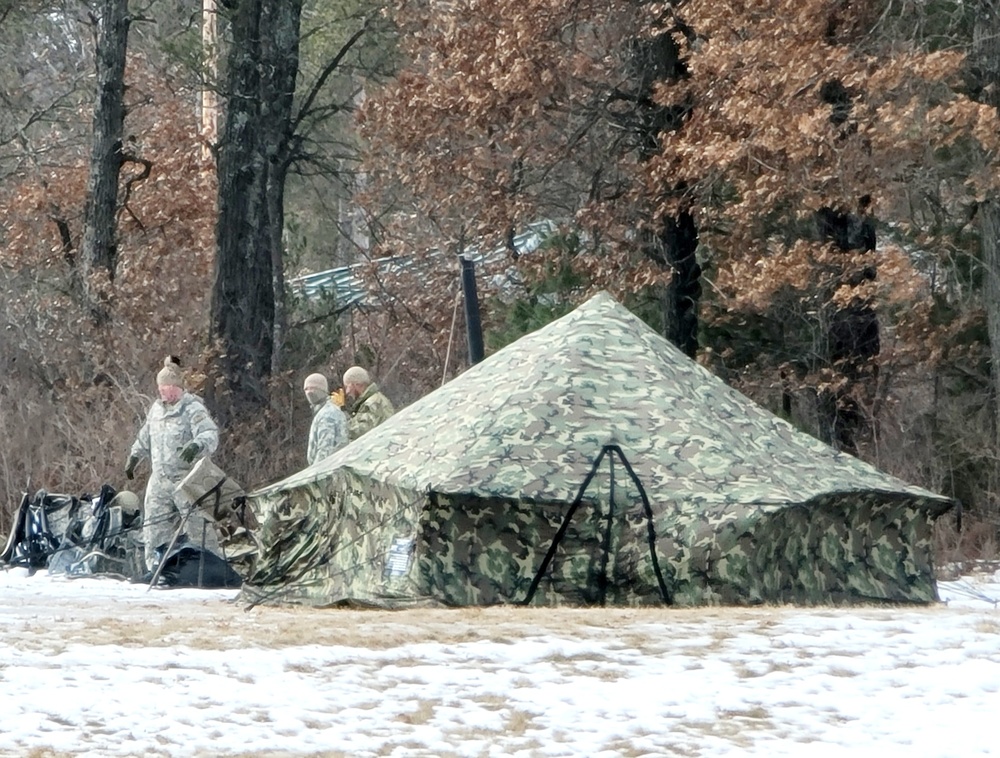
[775, 682]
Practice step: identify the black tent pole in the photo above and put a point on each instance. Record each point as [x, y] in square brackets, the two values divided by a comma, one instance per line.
[473, 324]
[665, 593]
[561, 532]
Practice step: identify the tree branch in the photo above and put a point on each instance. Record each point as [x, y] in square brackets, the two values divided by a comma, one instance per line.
[327, 73]
[147, 167]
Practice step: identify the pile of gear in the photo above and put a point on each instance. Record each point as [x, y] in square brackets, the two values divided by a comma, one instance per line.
[102, 534]
[78, 536]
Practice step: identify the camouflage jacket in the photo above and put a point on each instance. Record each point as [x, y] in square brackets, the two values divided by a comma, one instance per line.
[369, 410]
[169, 429]
[328, 431]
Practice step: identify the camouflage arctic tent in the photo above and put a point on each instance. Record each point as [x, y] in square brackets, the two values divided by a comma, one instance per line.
[591, 462]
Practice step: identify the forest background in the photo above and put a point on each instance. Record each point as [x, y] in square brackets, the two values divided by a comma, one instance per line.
[801, 194]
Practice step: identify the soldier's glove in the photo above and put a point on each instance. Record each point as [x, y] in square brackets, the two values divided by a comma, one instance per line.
[188, 453]
[133, 461]
[338, 398]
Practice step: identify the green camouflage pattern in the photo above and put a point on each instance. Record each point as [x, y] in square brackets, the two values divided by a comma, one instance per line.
[371, 409]
[457, 498]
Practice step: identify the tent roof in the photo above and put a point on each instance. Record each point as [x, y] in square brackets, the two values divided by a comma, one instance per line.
[529, 421]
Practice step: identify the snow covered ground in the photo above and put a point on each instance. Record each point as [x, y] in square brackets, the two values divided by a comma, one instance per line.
[92, 667]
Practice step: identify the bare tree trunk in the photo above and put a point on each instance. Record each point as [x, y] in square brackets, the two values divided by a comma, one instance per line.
[355, 237]
[985, 64]
[281, 48]
[853, 340]
[989, 231]
[682, 296]
[253, 164]
[656, 59]
[208, 97]
[100, 238]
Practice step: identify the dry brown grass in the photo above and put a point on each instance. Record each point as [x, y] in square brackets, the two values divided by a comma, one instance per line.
[220, 625]
[214, 624]
[423, 713]
[842, 672]
[763, 668]
[519, 722]
[988, 626]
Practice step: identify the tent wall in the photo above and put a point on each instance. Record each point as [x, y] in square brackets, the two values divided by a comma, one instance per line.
[293, 535]
[375, 559]
[355, 539]
[483, 551]
[325, 543]
[861, 547]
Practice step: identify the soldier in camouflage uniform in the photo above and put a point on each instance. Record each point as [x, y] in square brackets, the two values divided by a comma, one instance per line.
[368, 406]
[329, 425]
[178, 430]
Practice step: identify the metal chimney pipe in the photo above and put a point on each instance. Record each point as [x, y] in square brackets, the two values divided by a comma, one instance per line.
[473, 325]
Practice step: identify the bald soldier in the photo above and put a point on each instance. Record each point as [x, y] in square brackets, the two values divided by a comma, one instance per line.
[367, 407]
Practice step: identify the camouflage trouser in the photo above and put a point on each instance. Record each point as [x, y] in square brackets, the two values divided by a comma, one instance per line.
[161, 515]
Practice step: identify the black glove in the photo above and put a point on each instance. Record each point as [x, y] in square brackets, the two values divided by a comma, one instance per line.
[133, 461]
[188, 453]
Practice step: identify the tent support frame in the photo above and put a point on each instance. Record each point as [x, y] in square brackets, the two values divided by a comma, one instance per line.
[610, 451]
